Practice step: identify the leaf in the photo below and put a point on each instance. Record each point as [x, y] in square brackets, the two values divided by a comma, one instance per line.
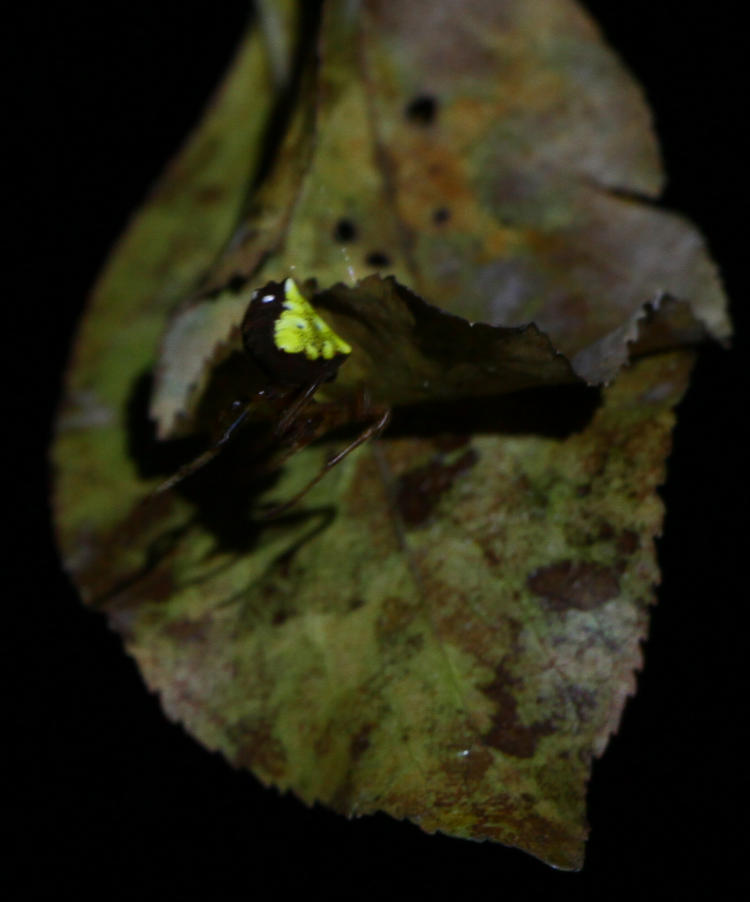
[448, 629]
[535, 144]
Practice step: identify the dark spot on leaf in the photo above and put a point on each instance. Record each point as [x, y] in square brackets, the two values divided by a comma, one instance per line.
[236, 283]
[441, 215]
[345, 230]
[377, 258]
[355, 604]
[507, 733]
[422, 110]
[569, 584]
[419, 490]
[360, 742]
[627, 542]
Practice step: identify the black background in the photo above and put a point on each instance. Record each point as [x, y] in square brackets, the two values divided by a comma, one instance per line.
[106, 794]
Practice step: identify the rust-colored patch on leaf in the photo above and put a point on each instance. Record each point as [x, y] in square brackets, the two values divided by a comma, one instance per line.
[570, 584]
[419, 490]
[508, 733]
[467, 766]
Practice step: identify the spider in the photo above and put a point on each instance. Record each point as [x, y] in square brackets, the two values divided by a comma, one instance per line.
[297, 352]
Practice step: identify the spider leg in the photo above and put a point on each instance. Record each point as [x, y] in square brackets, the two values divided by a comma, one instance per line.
[206, 457]
[285, 422]
[370, 432]
[295, 408]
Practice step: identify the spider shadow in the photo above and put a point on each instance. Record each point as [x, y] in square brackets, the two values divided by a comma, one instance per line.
[550, 412]
[226, 492]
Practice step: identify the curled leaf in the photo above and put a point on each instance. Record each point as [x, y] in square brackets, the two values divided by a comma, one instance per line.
[492, 154]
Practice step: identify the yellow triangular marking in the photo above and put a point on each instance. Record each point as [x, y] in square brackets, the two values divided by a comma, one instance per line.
[299, 329]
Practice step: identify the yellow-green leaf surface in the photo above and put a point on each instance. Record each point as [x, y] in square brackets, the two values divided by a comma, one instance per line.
[448, 625]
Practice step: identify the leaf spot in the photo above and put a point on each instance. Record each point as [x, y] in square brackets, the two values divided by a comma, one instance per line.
[507, 733]
[377, 258]
[345, 230]
[419, 490]
[422, 110]
[582, 586]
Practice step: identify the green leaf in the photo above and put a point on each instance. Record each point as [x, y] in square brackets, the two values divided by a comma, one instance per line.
[448, 627]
